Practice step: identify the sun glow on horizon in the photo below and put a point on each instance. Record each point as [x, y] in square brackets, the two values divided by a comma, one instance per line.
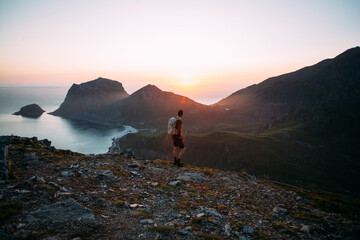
[195, 48]
[186, 80]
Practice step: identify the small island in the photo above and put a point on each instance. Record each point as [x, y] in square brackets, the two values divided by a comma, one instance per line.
[31, 110]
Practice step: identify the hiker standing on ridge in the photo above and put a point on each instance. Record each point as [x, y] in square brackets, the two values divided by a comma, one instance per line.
[174, 128]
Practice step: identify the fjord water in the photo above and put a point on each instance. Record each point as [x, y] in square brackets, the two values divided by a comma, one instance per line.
[76, 135]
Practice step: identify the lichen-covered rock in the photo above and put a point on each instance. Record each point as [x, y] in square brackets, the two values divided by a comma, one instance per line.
[61, 212]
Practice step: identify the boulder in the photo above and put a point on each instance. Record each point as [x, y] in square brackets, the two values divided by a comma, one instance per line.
[63, 217]
[67, 211]
[32, 111]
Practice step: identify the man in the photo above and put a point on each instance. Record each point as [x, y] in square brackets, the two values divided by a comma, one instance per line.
[178, 141]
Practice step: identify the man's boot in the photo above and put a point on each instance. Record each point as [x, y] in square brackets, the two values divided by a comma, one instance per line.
[179, 164]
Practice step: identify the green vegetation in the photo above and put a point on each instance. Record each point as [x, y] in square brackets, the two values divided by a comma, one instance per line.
[208, 236]
[332, 202]
[261, 235]
[237, 225]
[279, 224]
[119, 202]
[144, 214]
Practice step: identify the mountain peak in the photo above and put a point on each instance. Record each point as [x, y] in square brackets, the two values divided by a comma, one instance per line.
[350, 53]
[151, 87]
[148, 89]
[91, 95]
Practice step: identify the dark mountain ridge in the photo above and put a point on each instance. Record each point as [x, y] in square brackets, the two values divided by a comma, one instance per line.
[86, 97]
[152, 107]
[327, 83]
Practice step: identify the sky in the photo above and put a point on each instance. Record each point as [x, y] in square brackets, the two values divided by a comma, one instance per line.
[204, 49]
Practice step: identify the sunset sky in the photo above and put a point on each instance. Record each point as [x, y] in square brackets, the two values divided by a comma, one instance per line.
[198, 48]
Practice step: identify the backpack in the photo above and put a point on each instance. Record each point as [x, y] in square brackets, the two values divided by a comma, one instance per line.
[171, 125]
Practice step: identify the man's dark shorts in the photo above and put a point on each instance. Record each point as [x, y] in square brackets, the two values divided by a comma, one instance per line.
[178, 142]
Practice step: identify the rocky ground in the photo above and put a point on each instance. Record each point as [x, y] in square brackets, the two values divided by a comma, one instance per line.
[59, 194]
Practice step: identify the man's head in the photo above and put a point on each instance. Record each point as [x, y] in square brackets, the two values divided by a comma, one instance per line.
[180, 113]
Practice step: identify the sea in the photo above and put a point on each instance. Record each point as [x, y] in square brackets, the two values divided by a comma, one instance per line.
[76, 135]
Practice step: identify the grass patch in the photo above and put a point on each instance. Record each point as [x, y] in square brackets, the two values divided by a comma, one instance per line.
[168, 188]
[261, 235]
[48, 187]
[237, 225]
[330, 202]
[119, 203]
[279, 224]
[163, 229]
[304, 216]
[9, 209]
[208, 236]
[144, 214]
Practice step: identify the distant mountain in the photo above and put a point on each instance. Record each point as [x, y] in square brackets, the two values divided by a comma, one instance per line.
[81, 100]
[329, 83]
[152, 107]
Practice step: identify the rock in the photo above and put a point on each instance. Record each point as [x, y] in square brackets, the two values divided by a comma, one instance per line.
[227, 229]
[188, 176]
[62, 216]
[105, 173]
[183, 232]
[211, 211]
[36, 178]
[133, 165]
[53, 184]
[305, 228]
[147, 221]
[174, 183]
[20, 225]
[135, 174]
[279, 211]
[248, 230]
[32, 111]
[184, 177]
[46, 142]
[66, 173]
[33, 178]
[30, 157]
[200, 215]
[189, 229]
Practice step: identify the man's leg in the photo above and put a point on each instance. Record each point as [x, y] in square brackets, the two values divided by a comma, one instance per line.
[181, 152]
[175, 155]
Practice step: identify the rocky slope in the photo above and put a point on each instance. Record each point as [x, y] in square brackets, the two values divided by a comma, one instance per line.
[81, 100]
[31, 110]
[59, 194]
